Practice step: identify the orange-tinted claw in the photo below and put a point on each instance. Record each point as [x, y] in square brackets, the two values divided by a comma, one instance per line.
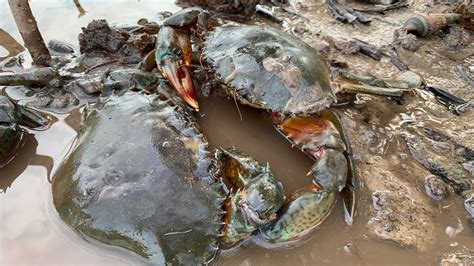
[173, 55]
[303, 129]
[181, 80]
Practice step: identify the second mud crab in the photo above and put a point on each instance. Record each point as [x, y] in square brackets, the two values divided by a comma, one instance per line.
[270, 70]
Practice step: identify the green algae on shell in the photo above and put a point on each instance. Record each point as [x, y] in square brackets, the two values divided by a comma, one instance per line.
[270, 69]
[138, 178]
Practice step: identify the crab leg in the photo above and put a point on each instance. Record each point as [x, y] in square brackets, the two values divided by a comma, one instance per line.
[348, 192]
[378, 86]
[352, 88]
[320, 139]
[255, 195]
[305, 210]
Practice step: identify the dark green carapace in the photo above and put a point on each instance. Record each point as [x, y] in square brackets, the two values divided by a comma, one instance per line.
[269, 69]
[139, 178]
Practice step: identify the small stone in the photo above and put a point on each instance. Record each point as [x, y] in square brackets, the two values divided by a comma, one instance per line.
[469, 202]
[452, 232]
[300, 28]
[469, 166]
[379, 200]
[322, 46]
[56, 83]
[347, 248]
[163, 15]
[454, 244]
[403, 156]
[465, 257]
[457, 37]
[394, 160]
[373, 159]
[373, 221]
[388, 227]
[142, 21]
[392, 216]
[436, 188]
[441, 147]
[409, 42]
[459, 151]
[471, 224]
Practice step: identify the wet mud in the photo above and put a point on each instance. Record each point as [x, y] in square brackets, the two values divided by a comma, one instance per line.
[413, 157]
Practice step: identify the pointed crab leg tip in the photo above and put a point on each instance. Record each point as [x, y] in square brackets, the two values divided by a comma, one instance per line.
[310, 172]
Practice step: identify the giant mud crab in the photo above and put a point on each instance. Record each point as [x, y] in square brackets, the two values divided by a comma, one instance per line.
[270, 70]
[162, 195]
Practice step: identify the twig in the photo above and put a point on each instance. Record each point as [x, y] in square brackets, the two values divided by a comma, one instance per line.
[345, 13]
[178, 232]
[395, 59]
[460, 71]
[29, 31]
[368, 49]
[12, 46]
[382, 8]
[237, 105]
[100, 65]
[268, 13]
[81, 10]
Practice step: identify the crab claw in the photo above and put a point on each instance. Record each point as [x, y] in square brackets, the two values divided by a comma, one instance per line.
[322, 137]
[303, 212]
[180, 78]
[173, 56]
[256, 195]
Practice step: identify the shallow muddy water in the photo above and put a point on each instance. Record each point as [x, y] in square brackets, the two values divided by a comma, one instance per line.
[31, 231]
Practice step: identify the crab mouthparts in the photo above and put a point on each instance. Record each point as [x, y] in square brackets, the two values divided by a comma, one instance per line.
[181, 80]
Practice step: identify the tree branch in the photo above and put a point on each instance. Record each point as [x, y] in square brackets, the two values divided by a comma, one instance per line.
[12, 46]
[29, 31]
[79, 7]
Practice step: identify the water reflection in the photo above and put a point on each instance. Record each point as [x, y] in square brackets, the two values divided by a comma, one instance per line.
[73, 120]
[10, 44]
[26, 156]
